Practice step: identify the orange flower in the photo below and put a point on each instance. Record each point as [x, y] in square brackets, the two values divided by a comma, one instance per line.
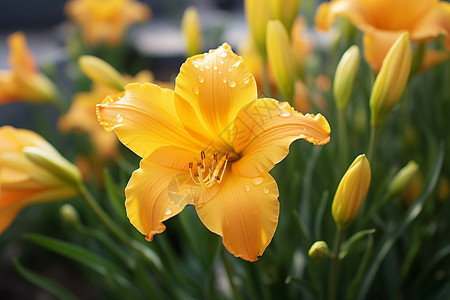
[384, 20]
[24, 81]
[81, 116]
[106, 20]
[209, 143]
[31, 171]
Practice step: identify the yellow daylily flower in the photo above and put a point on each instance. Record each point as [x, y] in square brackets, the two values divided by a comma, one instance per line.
[81, 115]
[24, 81]
[106, 20]
[209, 143]
[31, 171]
[383, 21]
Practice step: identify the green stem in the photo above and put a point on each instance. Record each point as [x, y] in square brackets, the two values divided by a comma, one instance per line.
[372, 143]
[335, 264]
[90, 201]
[343, 140]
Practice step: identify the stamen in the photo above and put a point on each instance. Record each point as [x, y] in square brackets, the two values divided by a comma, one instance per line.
[216, 170]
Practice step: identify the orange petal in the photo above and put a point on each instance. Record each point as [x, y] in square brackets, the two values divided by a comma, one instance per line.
[433, 24]
[156, 193]
[216, 85]
[244, 213]
[144, 119]
[433, 57]
[20, 59]
[355, 11]
[264, 131]
[377, 44]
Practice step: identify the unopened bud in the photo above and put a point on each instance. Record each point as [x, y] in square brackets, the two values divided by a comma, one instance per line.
[70, 215]
[318, 250]
[281, 58]
[192, 31]
[100, 71]
[54, 163]
[345, 76]
[403, 179]
[285, 11]
[391, 81]
[257, 13]
[351, 192]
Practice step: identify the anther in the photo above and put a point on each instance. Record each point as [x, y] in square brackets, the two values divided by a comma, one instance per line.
[202, 155]
[215, 157]
[191, 165]
[227, 155]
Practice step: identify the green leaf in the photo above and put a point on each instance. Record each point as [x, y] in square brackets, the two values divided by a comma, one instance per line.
[44, 283]
[347, 245]
[412, 213]
[86, 258]
[116, 199]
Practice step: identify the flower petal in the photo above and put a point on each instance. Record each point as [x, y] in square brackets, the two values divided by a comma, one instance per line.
[244, 213]
[144, 119]
[216, 85]
[264, 131]
[434, 23]
[156, 193]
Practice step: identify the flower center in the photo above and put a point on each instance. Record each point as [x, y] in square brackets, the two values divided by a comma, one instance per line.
[208, 176]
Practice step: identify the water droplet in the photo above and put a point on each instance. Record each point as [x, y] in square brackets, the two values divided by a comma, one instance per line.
[201, 79]
[229, 70]
[223, 54]
[282, 104]
[246, 80]
[231, 83]
[265, 190]
[257, 180]
[195, 90]
[207, 67]
[195, 65]
[215, 67]
[219, 72]
[168, 211]
[119, 118]
[236, 64]
[247, 188]
[222, 62]
[224, 80]
[284, 113]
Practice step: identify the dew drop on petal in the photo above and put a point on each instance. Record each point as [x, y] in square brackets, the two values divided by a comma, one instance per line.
[247, 188]
[195, 90]
[223, 54]
[215, 67]
[119, 118]
[224, 80]
[257, 180]
[282, 104]
[231, 83]
[168, 211]
[196, 65]
[207, 67]
[201, 79]
[222, 62]
[219, 72]
[265, 190]
[284, 113]
[229, 70]
[246, 80]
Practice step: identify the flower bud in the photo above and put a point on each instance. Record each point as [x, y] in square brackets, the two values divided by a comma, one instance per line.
[351, 192]
[318, 250]
[345, 76]
[281, 58]
[192, 31]
[70, 215]
[57, 165]
[443, 189]
[257, 13]
[100, 71]
[403, 179]
[391, 80]
[285, 11]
